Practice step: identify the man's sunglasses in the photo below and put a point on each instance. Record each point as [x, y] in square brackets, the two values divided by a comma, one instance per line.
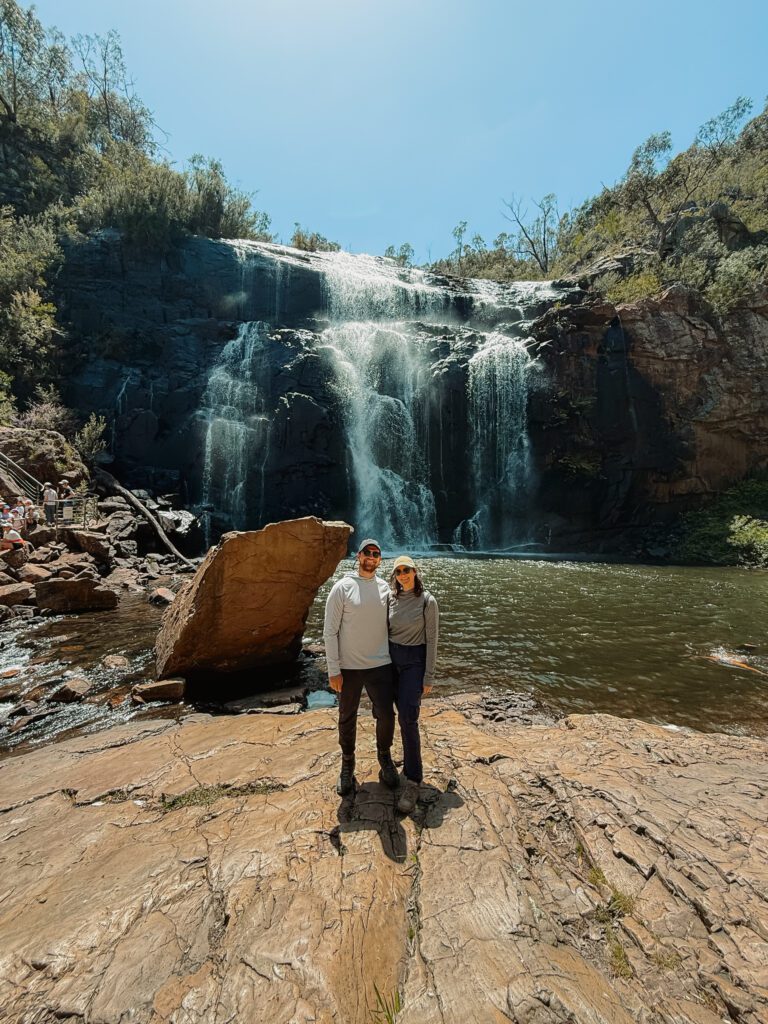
[371, 553]
[403, 569]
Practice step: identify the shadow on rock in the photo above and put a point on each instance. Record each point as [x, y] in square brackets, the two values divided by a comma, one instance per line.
[372, 809]
[435, 805]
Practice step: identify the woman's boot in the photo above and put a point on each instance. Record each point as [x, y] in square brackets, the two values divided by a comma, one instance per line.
[408, 798]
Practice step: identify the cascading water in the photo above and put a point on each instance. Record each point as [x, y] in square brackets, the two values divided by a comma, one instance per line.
[500, 376]
[381, 381]
[428, 379]
[236, 427]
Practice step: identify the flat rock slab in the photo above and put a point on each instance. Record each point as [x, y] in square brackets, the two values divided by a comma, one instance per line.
[16, 593]
[598, 871]
[248, 601]
[74, 595]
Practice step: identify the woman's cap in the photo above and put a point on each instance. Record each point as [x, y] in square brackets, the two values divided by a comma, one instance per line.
[404, 560]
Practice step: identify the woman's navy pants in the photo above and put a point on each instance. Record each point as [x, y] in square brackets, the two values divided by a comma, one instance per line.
[409, 664]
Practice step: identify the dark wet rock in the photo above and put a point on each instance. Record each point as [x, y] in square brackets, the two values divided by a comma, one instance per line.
[23, 611]
[224, 620]
[6, 578]
[267, 699]
[23, 721]
[24, 708]
[10, 691]
[74, 689]
[16, 593]
[162, 690]
[71, 595]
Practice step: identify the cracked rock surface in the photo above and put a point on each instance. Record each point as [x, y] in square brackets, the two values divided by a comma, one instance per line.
[204, 872]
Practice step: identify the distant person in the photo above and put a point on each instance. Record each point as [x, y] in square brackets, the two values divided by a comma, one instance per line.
[357, 650]
[66, 499]
[17, 515]
[50, 497]
[413, 628]
[12, 539]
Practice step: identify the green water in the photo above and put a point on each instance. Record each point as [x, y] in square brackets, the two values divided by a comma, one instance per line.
[643, 641]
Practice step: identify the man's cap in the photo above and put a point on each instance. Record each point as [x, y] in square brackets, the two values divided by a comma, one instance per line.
[47, 483]
[369, 542]
[404, 560]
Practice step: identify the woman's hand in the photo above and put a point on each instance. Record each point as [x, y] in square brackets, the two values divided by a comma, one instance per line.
[335, 682]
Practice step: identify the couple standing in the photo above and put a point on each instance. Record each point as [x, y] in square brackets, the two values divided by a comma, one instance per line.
[381, 637]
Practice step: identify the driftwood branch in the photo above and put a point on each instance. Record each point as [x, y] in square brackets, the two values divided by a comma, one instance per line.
[109, 481]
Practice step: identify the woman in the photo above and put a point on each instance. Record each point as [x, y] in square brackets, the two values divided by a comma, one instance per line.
[413, 623]
[12, 539]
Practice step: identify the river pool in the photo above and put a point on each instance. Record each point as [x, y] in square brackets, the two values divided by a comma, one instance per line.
[672, 645]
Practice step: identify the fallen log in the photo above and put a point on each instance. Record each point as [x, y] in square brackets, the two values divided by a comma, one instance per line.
[108, 481]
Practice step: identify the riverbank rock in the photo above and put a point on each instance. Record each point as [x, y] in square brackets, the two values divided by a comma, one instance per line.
[16, 593]
[73, 690]
[74, 595]
[162, 689]
[248, 601]
[598, 871]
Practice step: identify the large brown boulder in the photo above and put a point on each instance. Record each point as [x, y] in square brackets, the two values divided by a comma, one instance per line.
[248, 601]
[80, 595]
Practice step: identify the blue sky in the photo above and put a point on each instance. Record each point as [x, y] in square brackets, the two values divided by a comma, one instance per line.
[379, 122]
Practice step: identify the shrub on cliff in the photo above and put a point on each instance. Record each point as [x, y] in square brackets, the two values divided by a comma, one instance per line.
[155, 205]
[311, 241]
[732, 530]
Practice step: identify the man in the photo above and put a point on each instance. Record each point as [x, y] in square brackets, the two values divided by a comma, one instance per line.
[357, 650]
[50, 497]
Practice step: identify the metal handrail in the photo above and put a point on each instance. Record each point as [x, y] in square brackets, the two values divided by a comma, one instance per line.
[25, 482]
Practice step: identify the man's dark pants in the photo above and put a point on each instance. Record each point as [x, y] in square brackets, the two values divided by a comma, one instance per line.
[380, 687]
[410, 663]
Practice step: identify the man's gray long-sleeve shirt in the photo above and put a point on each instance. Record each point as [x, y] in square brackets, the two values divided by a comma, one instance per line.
[355, 628]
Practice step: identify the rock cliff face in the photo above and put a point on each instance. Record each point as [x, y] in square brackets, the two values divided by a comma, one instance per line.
[264, 383]
[651, 406]
[601, 871]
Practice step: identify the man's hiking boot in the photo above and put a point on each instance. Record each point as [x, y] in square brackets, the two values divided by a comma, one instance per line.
[409, 795]
[346, 783]
[389, 774]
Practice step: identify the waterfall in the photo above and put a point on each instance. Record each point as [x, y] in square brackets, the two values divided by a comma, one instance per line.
[236, 428]
[399, 400]
[370, 288]
[381, 375]
[500, 376]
